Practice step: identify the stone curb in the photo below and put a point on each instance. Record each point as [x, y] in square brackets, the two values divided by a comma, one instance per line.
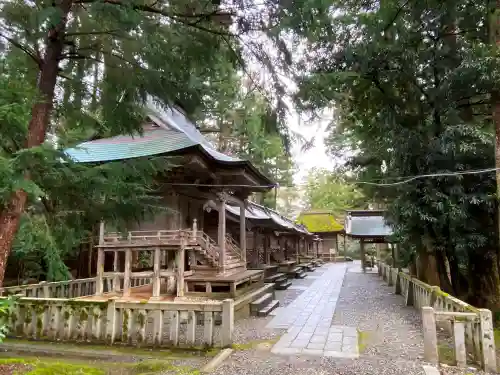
[217, 360]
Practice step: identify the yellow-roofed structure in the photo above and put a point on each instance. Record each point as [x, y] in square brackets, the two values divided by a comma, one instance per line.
[324, 224]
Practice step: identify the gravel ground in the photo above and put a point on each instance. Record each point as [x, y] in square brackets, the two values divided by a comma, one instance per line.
[261, 362]
[365, 303]
[387, 328]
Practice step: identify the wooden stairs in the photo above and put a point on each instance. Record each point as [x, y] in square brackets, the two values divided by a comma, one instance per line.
[207, 257]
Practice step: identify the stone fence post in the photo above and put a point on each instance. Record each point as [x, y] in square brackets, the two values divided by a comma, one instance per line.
[430, 335]
[227, 322]
[487, 340]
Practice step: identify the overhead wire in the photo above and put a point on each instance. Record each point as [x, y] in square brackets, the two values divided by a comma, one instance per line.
[404, 180]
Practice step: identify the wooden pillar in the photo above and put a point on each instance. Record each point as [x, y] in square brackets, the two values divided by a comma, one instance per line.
[156, 273]
[337, 250]
[243, 233]
[221, 242]
[99, 282]
[99, 287]
[180, 260]
[363, 258]
[127, 272]
[116, 269]
[297, 249]
[266, 248]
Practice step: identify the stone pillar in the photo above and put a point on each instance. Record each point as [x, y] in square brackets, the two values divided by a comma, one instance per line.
[430, 335]
[487, 340]
[221, 241]
[243, 233]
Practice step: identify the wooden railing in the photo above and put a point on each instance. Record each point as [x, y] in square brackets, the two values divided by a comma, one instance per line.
[471, 328]
[209, 247]
[193, 237]
[233, 246]
[185, 324]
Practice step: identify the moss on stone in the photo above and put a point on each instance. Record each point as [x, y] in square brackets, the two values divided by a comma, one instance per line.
[446, 354]
[318, 221]
[363, 337]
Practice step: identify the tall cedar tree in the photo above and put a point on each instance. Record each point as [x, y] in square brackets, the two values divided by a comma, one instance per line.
[97, 61]
[411, 83]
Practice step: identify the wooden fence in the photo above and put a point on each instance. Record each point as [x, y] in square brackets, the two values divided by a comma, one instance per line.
[470, 328]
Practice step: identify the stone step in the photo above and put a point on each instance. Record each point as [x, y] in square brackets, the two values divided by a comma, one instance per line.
[300, 275]
[260, 303]
[269, 307]
[272, 278]
[283, 285]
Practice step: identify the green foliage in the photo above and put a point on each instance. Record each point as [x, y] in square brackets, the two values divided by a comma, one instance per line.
[410, 84]
[331, 191]
[5, 308]
[112, 57]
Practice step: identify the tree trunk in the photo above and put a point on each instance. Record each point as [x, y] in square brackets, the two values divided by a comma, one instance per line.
[427, 270]
[484, 276]
[40, 117]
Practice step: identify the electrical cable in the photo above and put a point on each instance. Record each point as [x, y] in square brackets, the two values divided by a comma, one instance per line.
[404, 180]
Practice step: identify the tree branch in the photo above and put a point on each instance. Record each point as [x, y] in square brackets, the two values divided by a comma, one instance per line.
[110, 32]
[174, 16]
[25, 49]
[396, 15]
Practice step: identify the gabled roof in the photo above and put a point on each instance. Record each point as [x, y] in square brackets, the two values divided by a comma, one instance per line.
[258, 213]
[369, 224]
[169, 132]
[319, 221]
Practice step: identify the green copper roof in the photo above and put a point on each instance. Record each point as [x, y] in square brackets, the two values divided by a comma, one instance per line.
[319, 222]
[168, 132]
[154, 141]
[370, 224]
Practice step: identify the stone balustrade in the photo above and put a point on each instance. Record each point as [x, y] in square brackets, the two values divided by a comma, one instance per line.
[183, 324]
[470, 328]
[57, 289]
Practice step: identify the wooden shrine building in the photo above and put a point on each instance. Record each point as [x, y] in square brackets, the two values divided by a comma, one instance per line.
[183, 251]
[367, 226]
[323, 224]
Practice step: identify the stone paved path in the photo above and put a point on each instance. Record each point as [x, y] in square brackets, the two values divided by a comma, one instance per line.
[308, 319]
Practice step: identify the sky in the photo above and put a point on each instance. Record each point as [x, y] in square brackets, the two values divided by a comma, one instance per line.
[315, 157]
